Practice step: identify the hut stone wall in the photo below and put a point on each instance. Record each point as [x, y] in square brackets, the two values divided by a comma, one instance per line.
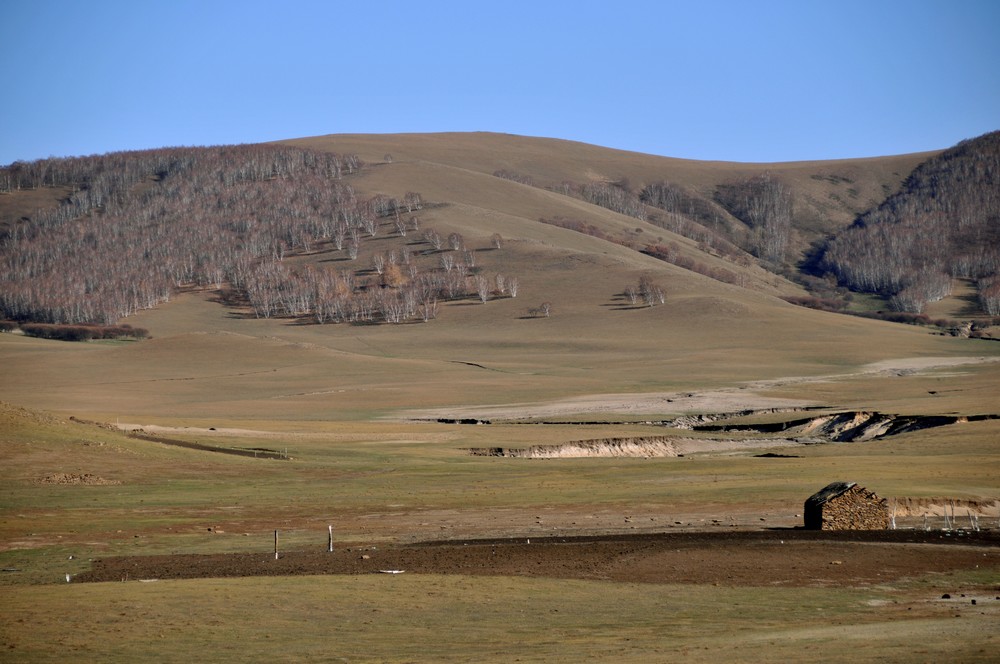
[853, 509]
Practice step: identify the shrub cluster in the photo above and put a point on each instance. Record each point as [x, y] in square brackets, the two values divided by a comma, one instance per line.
[975, 328]
[670, 253]
[585, 228]
[821, 303]
[514, 177]
[82, 332]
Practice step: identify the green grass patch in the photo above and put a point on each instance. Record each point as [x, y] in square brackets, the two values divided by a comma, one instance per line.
[433, 618]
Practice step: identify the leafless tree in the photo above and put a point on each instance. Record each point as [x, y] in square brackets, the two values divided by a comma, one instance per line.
[483, 288]
[399, 225]
[370, 225]
[339, 236]
[428, 308]
[543, 310]
[413, 201]
[432, 238]
[652, 293]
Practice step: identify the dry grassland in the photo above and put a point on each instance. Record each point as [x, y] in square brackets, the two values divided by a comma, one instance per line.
[342, 401]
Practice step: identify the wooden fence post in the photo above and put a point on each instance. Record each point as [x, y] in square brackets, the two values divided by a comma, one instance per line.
[275, 544]
[331, 538]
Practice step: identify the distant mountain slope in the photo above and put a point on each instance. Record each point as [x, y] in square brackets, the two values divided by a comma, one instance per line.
[943, 223]
[827, 194]
[705, 203]
[275, 225]
[536, 290]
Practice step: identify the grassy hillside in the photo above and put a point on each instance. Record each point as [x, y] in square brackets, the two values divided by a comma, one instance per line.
[207, 359]
[97, 438]
[830, 192]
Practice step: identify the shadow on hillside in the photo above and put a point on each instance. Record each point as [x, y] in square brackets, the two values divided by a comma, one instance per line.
[971, 306]
[623, 306]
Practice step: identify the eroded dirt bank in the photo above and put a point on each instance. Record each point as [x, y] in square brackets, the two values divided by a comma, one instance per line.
[840, 427]
[737, 558]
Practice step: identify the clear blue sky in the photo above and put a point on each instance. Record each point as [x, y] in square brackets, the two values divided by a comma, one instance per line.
[752, 80]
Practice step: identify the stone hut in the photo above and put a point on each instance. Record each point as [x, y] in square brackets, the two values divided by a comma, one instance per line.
[846, 506]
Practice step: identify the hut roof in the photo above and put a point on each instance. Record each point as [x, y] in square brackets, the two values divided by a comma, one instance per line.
[828, 493]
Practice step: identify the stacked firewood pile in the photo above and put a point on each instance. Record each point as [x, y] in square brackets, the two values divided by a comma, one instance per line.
[846, 506]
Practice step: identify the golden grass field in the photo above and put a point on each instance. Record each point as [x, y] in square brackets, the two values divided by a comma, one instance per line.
[344, 402]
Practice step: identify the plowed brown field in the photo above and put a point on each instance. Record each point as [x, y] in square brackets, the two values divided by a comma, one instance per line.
[737, 558]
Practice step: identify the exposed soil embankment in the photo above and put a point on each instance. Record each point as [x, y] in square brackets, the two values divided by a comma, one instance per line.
[959, 508]
[644, 447]
[604, 447]
[846, 427]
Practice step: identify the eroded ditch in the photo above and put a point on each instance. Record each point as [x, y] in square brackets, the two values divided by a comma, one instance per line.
[837, 427]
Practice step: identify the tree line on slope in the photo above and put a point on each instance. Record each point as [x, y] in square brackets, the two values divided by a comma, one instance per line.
[750, 216]
[943, 223]
[137, 226]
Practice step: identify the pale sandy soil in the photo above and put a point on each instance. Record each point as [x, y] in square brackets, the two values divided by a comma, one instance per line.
[157, 429]
[729, 400]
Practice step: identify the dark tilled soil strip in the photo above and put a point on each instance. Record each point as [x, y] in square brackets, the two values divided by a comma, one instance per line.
[737, 558]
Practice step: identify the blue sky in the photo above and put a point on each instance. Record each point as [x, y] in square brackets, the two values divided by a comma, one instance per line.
[742, 81]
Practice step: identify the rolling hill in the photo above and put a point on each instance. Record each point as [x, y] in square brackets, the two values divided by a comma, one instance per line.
[581, 260]
[353, 336]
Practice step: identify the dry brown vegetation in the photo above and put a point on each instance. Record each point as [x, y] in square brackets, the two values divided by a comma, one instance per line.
[355, 408]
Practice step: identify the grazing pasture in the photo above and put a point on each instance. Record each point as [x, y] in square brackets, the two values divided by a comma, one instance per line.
[113, 453]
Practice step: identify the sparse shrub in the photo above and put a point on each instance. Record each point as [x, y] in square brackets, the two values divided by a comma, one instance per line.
[585, 228]
[514, 177]
[541, 311]
[671, 254]
[823, 304]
